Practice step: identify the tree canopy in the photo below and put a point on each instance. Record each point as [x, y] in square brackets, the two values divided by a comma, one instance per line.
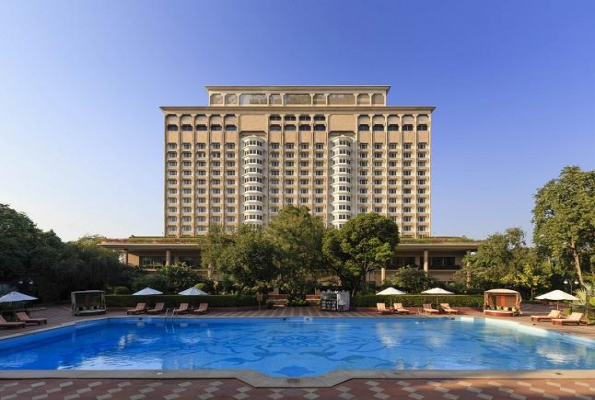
[564, 218]
[250, 260]
[56, 268]
[364, 244]
[297, 237]
[505, 259]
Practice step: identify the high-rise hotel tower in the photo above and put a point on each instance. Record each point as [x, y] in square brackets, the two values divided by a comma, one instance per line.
[339, 150]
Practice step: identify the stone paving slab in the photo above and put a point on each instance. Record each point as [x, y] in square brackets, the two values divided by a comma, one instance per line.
[353, 389]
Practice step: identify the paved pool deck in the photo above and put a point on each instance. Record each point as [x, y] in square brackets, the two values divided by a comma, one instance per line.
[368, 385]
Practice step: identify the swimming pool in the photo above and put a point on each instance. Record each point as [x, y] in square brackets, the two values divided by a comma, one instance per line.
[296, 347]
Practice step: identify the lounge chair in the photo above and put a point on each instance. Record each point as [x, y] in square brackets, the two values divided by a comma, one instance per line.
[554, 314]
[399, 309]
[381, 308]
[183, 309]
[158, 309]
[23, 317]
[429, 310]
[4, 324]
[140, 308]
[447, 309]
[574, 318]
[203, 308]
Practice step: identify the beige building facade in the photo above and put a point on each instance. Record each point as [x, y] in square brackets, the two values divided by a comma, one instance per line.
[339, 150]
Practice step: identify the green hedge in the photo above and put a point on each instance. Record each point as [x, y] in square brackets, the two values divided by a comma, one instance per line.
[418, 300]
[175, 300]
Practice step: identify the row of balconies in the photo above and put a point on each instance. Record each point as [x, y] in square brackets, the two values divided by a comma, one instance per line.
[302, 146]
[303, 125]
[248, 142]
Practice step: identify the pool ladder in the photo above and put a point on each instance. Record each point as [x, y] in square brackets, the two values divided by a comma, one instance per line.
[168, 315]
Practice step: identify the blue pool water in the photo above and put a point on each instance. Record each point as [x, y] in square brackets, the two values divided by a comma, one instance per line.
[295, 347]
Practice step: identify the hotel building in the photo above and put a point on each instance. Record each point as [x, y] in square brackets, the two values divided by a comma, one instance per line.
[339, 150]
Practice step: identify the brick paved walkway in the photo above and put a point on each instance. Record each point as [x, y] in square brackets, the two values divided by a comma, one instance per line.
[354, 389]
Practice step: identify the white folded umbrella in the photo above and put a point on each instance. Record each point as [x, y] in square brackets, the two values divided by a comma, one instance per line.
[193, 292]
[437, 290]
[390, 290]
[146, 292]
[13, 297]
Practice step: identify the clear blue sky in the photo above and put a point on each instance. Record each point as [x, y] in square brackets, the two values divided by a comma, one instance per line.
[81, 82]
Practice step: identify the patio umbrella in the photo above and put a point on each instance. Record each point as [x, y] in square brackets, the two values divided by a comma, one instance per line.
[437, 290]
[146, 292]
[13, 297]
[390, 290]
[193, 292]
[557, 295]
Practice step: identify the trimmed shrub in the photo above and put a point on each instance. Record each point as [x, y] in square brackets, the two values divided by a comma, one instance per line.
[175, 300]
[297, 302]
[418, 300]
[120, 290]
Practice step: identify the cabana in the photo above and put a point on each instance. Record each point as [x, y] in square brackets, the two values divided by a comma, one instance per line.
[88, 302]
[502, 303]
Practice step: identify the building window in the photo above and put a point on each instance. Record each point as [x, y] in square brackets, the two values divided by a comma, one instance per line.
[422, 127]
[393, 127]
[172, 127]
[408, 127]
[253, 99]
[216, 99]
[187, 127]
[297, 99]
[341, 99]
[319, 100]
[363, 127]
[275, 99]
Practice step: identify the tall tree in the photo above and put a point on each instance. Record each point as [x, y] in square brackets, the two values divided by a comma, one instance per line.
[349, 273]
[213, 246]
[364, 244]
[297, 237]
[18, 237]
[250, 260]
[564, 217]
[505, 259]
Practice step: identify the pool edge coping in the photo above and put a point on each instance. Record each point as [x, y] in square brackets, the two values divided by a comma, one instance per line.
[259, 380]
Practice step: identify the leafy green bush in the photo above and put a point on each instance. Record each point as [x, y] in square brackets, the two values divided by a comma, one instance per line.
[175, 300]
[297, 302]
[120, 290]
[415, 300]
